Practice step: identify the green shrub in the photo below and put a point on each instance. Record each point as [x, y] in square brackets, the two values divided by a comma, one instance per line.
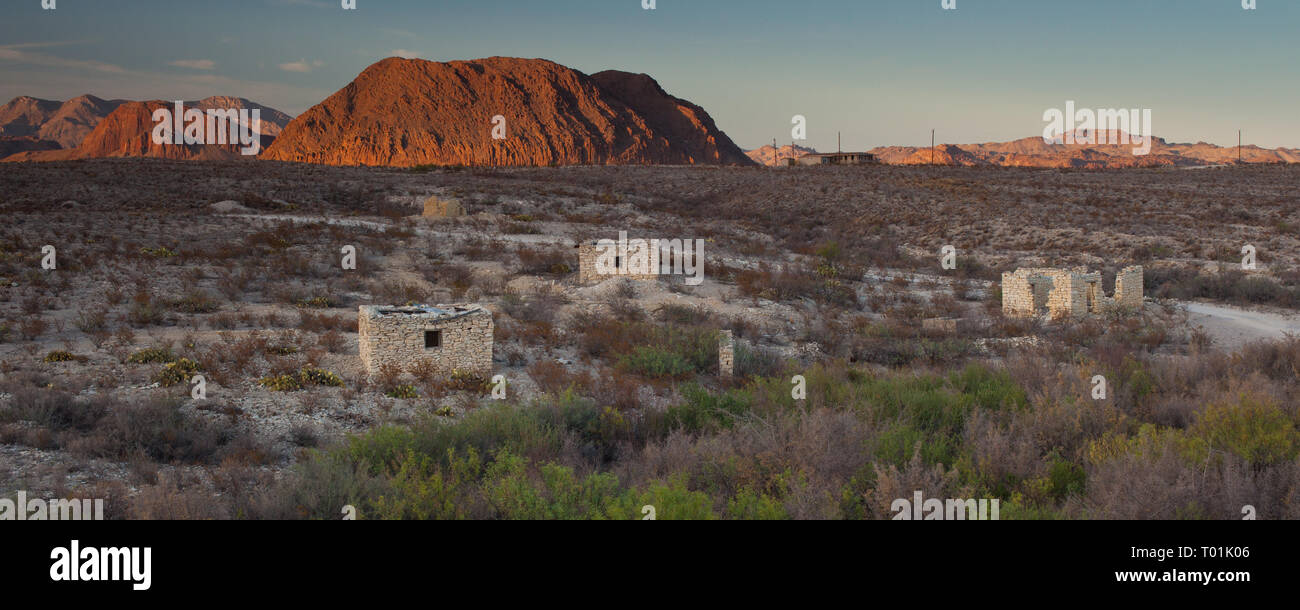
[281, 383]
[59, 355]
[159, 252]
[1066, 478]
[703, 411]
[177, 372]
[151, 355]
[291, 382]
[655, 363]
[316, 376]
[402, 391]
[1251, 428]
[750, 505]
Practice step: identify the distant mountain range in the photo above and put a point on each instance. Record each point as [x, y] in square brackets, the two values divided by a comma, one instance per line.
[511, 111]
[769, 156]
[1035, 152]
[33, 129]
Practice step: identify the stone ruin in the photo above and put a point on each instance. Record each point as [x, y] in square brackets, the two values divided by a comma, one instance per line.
[726, 354]
[589, 253]
[455, 338]
[435, 207]
[1068, 293]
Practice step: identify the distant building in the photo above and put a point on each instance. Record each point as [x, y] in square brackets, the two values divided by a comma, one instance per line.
[839, 158]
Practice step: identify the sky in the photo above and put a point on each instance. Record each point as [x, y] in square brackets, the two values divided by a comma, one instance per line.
[881, 72]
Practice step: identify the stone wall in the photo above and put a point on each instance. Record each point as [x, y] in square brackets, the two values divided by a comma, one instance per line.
[726, 354]
[396, 335]
[588, 254]
[435, 207]
[1128, 287]
[1017, 295]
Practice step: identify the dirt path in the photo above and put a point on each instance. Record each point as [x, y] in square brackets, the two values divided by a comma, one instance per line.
[1232, 327]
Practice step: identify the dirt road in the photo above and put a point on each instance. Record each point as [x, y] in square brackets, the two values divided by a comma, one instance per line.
[1231, 327]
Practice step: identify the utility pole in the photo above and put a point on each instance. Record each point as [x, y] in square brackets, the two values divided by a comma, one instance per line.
[776, 154]
[1238, 146]
[931, 147]
[839, 143]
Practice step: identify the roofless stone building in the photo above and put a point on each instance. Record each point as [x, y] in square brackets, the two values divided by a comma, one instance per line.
[1067, 293]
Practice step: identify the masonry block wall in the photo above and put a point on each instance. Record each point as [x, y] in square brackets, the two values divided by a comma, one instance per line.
[1062, 293]
[1128, 287]
[588, 254]
[1017, 294]
[452, 337]
[726, 354]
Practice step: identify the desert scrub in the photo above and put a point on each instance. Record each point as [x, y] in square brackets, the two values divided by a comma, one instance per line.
[151, 355]
[465, 381]
[402, 391]
[307, 376]
[281, 383]
[159, 252]
[315, 376]
[1252, 428]
[194, 302]
[316, 303]
[59, 355]
[177, 372]
[655, 363]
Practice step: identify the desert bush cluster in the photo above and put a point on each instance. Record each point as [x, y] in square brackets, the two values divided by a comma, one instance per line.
[1195, 436]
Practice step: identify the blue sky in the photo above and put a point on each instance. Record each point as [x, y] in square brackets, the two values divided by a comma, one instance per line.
[883, 72]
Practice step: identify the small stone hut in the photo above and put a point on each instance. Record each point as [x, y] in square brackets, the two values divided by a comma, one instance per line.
[589, 253]
[455, 338]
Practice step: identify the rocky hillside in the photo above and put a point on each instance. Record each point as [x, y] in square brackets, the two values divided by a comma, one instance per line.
[404, 112]
[128, 131]
[66, 123]
[766, 155]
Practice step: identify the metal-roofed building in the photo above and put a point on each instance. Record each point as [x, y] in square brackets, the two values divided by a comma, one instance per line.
[838, 158]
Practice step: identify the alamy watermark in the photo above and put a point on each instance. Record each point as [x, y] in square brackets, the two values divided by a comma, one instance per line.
[920, 508]
[1101, 126]
[113, 564]
[645, 257]
[63, 509]
[215, 126]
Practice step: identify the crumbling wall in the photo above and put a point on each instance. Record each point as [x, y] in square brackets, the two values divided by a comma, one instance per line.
[726, 354]
[1128, 287]
[1065, 293]
[396, 336]
[1017, 295]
